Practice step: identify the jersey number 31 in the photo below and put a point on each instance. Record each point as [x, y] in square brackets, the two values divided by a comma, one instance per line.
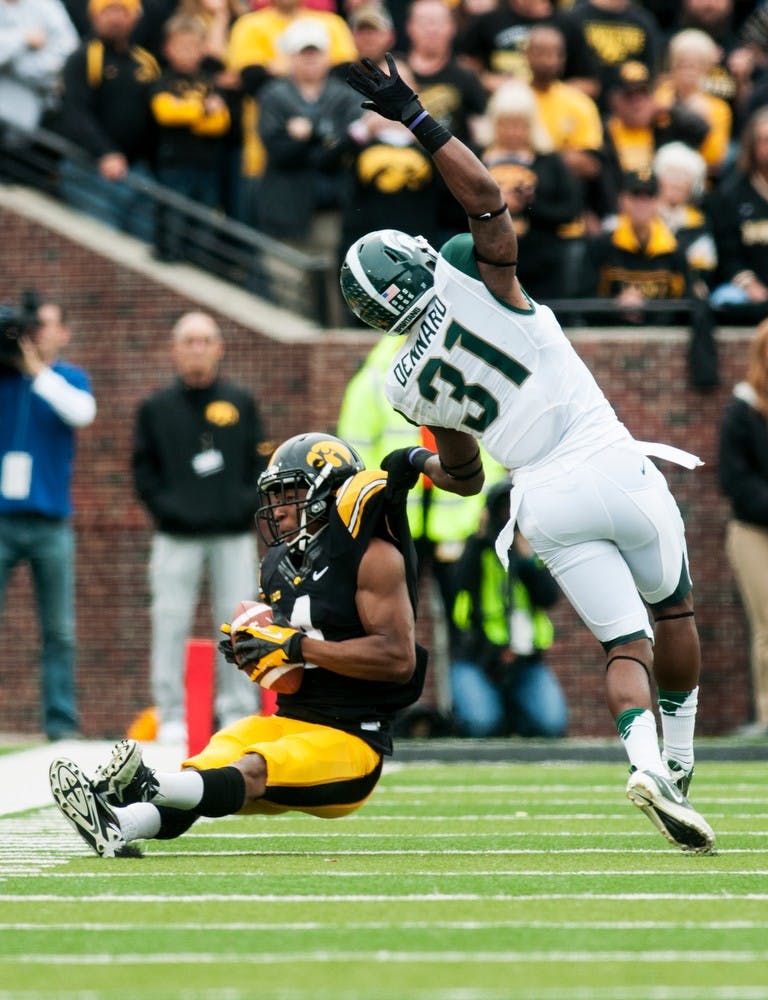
[461, 390]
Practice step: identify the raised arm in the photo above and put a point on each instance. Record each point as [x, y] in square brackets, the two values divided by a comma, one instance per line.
[465, 175]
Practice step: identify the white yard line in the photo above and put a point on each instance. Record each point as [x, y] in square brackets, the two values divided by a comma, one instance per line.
[749, 956]
[612, 992]
[30, 845]
[383, 925]
[24, 775]
[354, 897]
[543, 873]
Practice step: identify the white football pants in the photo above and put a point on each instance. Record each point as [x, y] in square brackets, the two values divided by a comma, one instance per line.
[606, 530]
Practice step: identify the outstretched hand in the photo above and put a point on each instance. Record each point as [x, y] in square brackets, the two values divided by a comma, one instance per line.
[403, 467]
[386, 93]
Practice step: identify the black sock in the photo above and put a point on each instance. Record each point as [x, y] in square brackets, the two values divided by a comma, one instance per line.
[223, 791]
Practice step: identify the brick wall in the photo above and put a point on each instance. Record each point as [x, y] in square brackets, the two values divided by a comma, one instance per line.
[121, 321]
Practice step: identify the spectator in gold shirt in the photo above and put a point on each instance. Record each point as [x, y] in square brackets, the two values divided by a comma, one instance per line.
[568, 114]
[254, 36]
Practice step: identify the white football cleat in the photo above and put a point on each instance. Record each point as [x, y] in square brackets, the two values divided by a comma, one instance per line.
[125, 778]
[89, 814]
[670, 812]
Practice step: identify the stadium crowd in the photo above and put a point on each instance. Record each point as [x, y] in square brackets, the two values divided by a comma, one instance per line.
[630, 140]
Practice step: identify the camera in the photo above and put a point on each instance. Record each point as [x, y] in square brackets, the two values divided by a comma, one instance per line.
[15, 321]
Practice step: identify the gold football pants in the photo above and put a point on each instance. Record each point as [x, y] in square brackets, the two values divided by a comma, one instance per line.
[310, 768]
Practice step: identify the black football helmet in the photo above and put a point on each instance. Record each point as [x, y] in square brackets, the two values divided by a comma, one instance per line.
[318, 463]
[387, 278]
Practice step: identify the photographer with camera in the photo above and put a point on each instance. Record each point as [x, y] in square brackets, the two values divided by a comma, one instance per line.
[43, 400]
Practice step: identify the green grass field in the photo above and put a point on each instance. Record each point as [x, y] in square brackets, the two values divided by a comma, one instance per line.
[456, 882]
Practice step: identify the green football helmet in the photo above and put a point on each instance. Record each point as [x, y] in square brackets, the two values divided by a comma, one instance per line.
[387, 279]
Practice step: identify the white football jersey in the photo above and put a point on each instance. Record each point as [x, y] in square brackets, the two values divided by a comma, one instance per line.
[509, 377]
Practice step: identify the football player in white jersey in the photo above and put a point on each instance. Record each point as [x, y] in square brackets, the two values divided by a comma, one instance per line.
[481, 361]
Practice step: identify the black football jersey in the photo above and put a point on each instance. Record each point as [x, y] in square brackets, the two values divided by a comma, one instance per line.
[319, 597]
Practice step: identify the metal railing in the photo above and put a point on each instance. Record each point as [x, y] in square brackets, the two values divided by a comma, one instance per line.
[305, 284]
[587, 311]
[183, 231]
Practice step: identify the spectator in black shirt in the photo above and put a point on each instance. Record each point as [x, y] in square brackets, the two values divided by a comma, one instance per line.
[601, 35]
[198, 451]
[105, 111]
[304, 123]
[191, 115]
[148, 31]
[641, 259]
[739, 214]
[743, 475]
[492, 44]
[452, 94]
[541, 192]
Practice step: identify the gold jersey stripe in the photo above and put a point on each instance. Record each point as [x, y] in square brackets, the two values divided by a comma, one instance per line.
[354, 495]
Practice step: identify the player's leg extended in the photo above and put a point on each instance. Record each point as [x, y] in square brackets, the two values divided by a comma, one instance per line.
[659, 564]
[677, 664]
[266, 765]
[651, 536]
[175, 576]
[570, 523]
[598, 581]
[126, 800]
[629, 660]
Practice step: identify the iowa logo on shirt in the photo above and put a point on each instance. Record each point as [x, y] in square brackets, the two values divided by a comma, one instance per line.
[614, 43]
[222, 413]
[391, 170]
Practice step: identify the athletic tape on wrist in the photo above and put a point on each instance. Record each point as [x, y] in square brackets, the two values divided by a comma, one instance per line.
[431, 134]
[418, 457]
[419, 118]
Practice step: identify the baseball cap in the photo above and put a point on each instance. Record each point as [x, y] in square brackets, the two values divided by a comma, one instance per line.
[639, 182]
[304, 33]
[96, 6]
[370, 17]
[634, 77]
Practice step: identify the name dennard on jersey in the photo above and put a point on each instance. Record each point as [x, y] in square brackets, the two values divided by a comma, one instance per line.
[428, 328]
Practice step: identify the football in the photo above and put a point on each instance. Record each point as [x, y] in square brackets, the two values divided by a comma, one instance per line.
[283, 679]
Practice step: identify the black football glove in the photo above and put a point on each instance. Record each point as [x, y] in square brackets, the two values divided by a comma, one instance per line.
[259, 647]
[262, 643]
[403, 467]
[388, 94]
[226, 648]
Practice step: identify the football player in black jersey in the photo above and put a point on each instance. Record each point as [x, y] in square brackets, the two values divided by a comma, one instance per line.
[340, 578]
